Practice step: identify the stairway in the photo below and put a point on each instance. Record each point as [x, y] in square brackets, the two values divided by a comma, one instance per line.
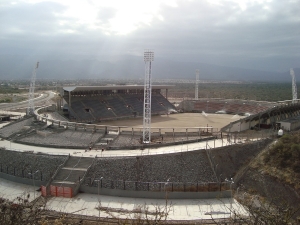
[72, 173]
[106, 140]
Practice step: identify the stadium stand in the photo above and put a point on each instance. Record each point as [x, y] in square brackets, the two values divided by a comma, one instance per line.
[88, 104]
[183, 167]
[23, 164]
[229, 106]
[15, 127]
[67, 138]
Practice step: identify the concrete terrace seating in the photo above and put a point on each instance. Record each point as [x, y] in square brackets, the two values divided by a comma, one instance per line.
[101, 110]
[179, 167]
[201, 106]
[107, 107]
[135, 101]
[157, 106]
[126, 140]
[164, 102]
[214, 107]
[15, 127]
[119, 106]
[21, 164]
[230, 159]
[70, 138]
[79, 108]
[231, 107]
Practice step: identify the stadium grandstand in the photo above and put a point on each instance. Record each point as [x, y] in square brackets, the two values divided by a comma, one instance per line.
[98, 103]
[194, 151]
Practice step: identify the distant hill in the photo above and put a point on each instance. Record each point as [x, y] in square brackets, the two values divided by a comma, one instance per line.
[130, 67]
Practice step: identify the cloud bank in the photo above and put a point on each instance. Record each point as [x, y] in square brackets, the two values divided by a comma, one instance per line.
[251, 34]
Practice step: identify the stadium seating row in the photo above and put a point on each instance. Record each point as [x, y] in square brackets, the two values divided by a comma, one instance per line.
[210, 106]
[24, 164]
[106, 107]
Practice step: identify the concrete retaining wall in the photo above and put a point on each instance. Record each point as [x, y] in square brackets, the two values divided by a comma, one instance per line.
[155, 195]
[21, 180]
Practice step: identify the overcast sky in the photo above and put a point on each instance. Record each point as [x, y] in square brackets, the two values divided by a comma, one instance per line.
[256, 34]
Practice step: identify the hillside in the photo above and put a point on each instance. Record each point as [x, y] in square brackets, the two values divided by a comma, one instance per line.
[273, 180]
[282, 160]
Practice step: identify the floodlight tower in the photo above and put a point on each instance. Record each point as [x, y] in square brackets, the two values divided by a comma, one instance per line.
[30, 109]
[148, 58]
[196, 85]
[294, 86]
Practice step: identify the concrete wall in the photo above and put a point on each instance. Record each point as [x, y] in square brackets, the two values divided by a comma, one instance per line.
[155, 195]
[21, 180]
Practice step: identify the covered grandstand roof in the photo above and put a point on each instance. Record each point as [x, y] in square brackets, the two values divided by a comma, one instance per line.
[113, 87]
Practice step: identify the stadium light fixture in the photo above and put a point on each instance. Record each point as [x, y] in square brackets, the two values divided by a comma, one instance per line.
[100, 179]
[166, 192]
[231, 182]
[32, 174]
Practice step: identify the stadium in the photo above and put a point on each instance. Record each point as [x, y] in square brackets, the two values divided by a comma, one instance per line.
[195, 144]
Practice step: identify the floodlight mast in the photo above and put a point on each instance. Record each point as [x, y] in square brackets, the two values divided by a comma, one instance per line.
[294, 85]
[148, 59]
[30, 110]
[196, 84]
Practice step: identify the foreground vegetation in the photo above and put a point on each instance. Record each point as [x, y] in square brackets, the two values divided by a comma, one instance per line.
[282, 160]
[273, 182]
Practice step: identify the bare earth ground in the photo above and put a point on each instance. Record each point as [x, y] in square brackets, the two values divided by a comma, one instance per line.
[180, 120]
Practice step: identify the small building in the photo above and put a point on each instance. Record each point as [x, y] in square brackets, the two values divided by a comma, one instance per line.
[290, 124]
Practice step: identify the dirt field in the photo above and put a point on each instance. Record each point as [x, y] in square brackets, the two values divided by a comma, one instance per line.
[180, 120]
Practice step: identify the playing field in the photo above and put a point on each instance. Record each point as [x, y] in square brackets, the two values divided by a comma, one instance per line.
[180, 120]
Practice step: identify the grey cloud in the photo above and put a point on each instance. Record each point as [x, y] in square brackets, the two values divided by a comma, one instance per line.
[30, 18]
[195, 31]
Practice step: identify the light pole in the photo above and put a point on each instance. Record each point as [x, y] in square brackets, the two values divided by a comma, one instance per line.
[207, 106]
[181, 144]
[100, 179]
[166, 194]
[231, 182]
[32, 174]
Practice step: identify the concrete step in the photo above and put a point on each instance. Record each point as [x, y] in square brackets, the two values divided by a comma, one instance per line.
[79, 162]
[69, 175]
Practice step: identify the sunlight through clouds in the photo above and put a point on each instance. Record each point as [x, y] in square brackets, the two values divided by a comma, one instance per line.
[226, 32]
[127, 15]
[243, 4]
